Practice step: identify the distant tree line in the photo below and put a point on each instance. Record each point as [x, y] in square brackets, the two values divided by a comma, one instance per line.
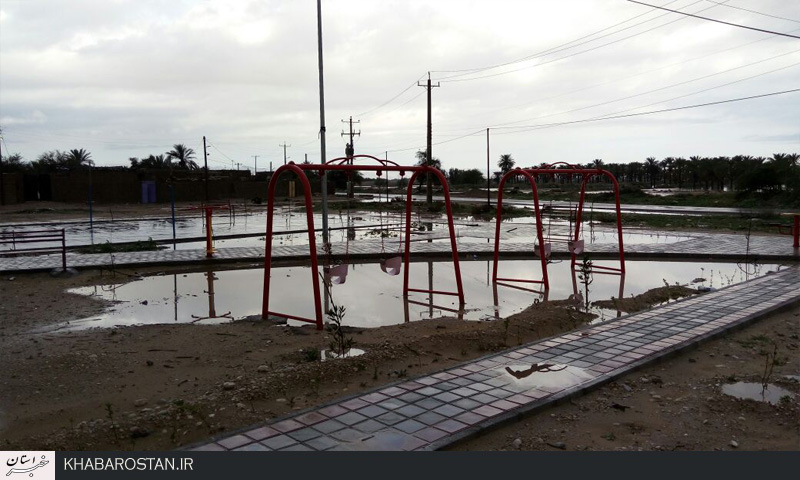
[778, 173]
[180, 157]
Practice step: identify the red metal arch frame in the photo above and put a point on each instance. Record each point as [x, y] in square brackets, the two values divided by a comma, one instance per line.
[539, 234]
[531, 174]
[337, 164]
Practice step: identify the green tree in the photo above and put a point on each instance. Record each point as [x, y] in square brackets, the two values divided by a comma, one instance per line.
[506, 163]
[184, 157]
[458, 176]
[14, 163]
[422, 159]
[76, 159]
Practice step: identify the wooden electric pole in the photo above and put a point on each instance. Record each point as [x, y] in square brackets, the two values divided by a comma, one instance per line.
[205, 159]
[429, 152]
[284, 151]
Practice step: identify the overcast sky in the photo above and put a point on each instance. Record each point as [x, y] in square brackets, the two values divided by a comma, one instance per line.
[130, 78]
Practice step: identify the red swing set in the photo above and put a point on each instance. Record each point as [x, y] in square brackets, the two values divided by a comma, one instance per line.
[574, 242]
[345, 164]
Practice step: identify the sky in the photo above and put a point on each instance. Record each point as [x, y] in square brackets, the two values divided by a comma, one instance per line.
[131, 78]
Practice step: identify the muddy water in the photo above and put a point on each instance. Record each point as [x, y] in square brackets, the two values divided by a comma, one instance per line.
[373, 298]
[545, 377]
[755, 391]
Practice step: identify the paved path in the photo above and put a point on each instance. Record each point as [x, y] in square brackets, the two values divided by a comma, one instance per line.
[473, 241]
[433, 411]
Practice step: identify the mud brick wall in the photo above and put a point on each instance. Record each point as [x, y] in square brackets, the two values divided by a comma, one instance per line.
[13, 188]
[124, 186]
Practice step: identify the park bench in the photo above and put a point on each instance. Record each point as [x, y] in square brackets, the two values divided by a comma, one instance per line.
[34, 242]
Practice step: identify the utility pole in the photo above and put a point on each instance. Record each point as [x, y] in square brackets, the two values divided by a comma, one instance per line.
[488, 174]
[429, 153]
[255, 164]
[2, 182]
[284, 151]
[322, 134]
[349, 151]
[205, 159]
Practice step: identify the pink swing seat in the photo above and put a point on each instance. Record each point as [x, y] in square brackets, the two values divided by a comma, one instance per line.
[392, 265]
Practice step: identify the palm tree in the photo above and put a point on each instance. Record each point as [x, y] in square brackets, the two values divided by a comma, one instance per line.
[652, 171]
[184, 155]
[14, 163]
[78, 158]
[506, 163]
[422, 160]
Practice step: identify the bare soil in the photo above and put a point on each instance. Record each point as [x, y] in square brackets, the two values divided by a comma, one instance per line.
[643, 301]
[677, 404]
[164, 386]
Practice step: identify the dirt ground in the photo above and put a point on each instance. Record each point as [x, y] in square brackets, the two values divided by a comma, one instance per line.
[165, 386]
[677, 404]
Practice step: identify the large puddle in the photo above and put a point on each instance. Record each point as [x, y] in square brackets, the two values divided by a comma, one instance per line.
[756, 391]
[373, 298]
[345, 226]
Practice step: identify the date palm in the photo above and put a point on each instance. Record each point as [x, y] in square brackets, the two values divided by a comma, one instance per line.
[184, 157]
[506, 163]
[78, 158]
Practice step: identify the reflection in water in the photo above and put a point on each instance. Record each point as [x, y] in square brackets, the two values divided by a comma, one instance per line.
[373, 298]
[544, 367]
[545, 377]
[768, 393]
[331, 355]
[212, 309]
[433, 310]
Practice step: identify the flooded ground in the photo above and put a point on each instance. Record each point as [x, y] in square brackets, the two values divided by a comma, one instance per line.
[375, 299]
[768, 393]
[345, 226]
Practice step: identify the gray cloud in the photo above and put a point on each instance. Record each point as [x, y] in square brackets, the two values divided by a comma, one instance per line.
[125, 77]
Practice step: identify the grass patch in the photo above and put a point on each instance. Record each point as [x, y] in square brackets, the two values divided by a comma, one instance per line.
[108, 247]
[763, 223]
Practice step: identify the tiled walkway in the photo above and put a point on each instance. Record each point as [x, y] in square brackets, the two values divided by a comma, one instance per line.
[432, 411]
[697, 245]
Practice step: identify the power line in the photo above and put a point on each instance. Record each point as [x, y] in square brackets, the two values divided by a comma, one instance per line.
[652, 112]
[682, 96]
[543, 52]
[221, 152]
[635, 75]
[564, 47]
[413, 84]
[671, 86]
[753, 11]
[718, 21]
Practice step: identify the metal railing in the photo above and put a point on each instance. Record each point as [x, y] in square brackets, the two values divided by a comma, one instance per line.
[20, 243]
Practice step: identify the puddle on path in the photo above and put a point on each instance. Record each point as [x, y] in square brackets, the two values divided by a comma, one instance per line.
[772, 394]
[331, 355]
[544, 376]
[374, 299]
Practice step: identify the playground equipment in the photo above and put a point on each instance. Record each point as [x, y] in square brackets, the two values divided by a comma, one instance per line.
[575, 243]
[392, 265]
[208, 210]
[344, 164]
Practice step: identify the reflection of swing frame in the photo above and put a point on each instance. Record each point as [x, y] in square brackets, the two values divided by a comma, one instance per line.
[576, 243]
[341, 164]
